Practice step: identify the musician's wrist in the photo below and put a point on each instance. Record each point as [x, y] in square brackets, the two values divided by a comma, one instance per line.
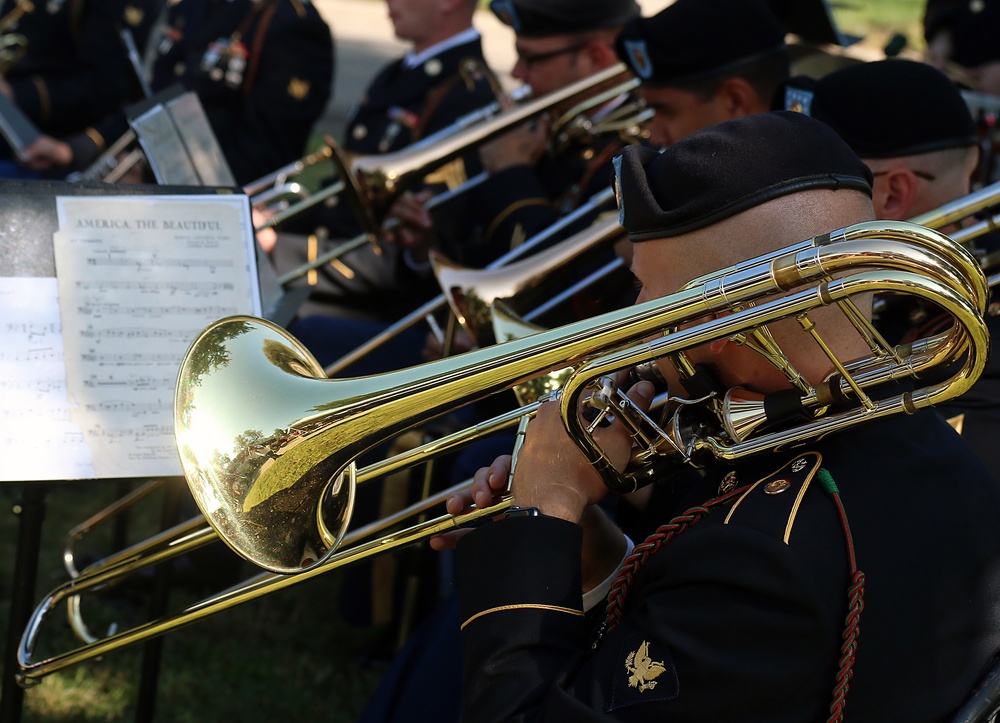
[552, 503]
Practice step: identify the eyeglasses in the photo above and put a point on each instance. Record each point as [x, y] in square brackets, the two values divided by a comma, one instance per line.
[919, 174]
[532, 60]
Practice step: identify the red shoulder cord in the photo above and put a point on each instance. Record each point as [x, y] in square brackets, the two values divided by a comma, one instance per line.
[665, 533]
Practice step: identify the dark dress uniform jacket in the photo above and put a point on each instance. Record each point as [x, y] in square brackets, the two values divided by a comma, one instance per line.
[74, 69]
[400, 106]
[263, 112]
[740, 617]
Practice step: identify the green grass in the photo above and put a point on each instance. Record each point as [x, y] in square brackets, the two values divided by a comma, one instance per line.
[287, 656]
[876, 21]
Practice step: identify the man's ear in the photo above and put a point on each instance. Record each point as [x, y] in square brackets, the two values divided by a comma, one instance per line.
[600, 54]
[738, 98]
[894, 194]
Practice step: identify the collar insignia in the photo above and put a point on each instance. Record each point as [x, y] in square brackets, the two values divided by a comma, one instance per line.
[642, 670]
[298, 88]
[638, 55]
[134, 15]
[433, 67]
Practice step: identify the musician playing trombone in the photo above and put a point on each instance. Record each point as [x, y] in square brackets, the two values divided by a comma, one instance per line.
[443, 77]
[855, 575]
[532, 181]
[705, 61]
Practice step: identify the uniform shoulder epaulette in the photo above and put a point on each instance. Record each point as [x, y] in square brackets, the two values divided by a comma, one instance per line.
[772, 502]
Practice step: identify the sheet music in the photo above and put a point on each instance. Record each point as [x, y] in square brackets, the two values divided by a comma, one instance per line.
[42, 441]
[139, 278]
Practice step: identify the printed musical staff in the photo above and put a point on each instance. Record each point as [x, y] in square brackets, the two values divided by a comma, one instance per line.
[88, 378]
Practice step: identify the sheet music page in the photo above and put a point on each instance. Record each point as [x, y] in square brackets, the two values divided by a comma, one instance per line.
[139, 278]
[42, 441]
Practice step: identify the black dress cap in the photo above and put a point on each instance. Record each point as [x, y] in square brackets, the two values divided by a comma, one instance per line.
[975, 28]
[692, 40]
[888, 108]
[727, 168]
[538, 18]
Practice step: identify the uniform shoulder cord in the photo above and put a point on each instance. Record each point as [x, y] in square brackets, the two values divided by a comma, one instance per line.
[75, 18]
[571, 198]
[267, 14]
[665, 533]
[438, 93]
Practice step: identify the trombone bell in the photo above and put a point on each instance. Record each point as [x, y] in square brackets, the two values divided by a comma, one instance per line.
[230, 435]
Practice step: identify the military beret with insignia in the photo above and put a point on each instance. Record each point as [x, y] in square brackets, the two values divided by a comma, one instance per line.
[537, 18]
[694, 40]
[724, 169]
[887, 108]
[974, 29]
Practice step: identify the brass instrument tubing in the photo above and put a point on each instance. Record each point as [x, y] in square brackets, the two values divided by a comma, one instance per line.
[439, 301]
[580, 285]
[362, 239]
[258, 586]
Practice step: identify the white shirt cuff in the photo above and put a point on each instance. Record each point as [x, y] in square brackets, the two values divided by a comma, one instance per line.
[599, 592]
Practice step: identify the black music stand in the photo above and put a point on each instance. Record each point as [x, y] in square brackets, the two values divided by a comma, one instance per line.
[178, 140]
[26, 250]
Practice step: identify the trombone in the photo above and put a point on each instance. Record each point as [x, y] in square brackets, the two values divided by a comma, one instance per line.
[373, 181]
[275, 478]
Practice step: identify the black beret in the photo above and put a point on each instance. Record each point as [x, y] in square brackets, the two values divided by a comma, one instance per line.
[975, 27]
[724, 169]
[887, 108]
[696, 39]
[537, 18]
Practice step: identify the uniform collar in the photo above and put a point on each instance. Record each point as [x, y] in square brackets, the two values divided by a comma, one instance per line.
[413, 60]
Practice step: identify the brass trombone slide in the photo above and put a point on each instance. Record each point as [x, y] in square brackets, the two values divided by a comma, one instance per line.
[373, 181]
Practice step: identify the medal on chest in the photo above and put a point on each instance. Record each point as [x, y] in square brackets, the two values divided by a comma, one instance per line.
[226, 60]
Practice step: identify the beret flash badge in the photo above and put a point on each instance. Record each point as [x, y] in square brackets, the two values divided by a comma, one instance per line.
[639, 57]
[798, 100]
[298, 88]
[504, 10]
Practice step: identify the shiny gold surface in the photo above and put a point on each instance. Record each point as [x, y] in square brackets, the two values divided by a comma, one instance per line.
[472, 292]
[260, 451]
[264, 439]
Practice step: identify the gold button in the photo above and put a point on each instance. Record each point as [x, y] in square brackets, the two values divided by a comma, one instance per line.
[359, 132]
[777, 486]
[432, 67]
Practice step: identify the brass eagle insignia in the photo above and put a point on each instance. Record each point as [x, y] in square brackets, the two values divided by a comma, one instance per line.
[642, 669]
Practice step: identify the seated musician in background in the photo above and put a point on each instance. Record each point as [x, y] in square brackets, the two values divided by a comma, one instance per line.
[262, 69]
[961, 41]
[909, 123]
[531, 183]
[705, 61]
[65, 67]
[741, 614]
[442, 78]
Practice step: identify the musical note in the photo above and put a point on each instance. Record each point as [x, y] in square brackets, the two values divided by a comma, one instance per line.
[138, 292]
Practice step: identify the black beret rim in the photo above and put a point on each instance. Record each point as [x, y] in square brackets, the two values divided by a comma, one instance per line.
[916, 150]
[708, 73]
[562, 26]
[833, 181]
